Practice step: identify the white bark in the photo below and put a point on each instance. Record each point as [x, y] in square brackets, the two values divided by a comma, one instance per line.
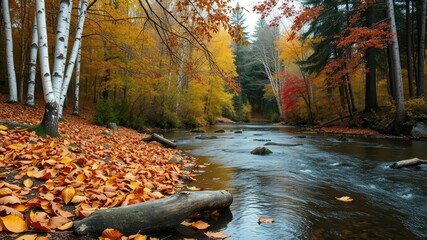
[13, 91]
[49, 96]
[32, 67]
[73, 56]
[77, 83]
[60, 47]
[396, 67]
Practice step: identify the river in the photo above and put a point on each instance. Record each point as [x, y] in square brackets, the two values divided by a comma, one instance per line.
[298, 185]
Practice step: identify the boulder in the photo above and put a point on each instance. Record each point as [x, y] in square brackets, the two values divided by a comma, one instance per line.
[204, 137]
[112, 126]
[261, 151]
[419, 130]
[220, 131]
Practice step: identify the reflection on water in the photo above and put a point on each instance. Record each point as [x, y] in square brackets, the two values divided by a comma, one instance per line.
[297, 185]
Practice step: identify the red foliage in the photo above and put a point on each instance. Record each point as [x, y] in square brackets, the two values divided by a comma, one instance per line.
[294, 89]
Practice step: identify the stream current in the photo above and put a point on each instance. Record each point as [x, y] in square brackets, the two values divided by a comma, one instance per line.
[298, 185]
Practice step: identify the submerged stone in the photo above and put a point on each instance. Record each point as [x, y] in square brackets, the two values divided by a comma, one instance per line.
[261, 151]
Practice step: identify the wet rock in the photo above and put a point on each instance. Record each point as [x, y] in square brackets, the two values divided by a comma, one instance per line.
[175, 160]
[262, 140]
[419, 130]
[203, 137]
[302, 136]
[261, 151]
[342, 139]
[238, 131]
[220, 131]
[283, 144]
[112, 126]
[197, 131]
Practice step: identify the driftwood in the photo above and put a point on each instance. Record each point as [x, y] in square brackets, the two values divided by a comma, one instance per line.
[156, 137]
[408, 163]
[153, 216]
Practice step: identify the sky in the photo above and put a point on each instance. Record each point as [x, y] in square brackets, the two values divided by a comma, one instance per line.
[251, 17]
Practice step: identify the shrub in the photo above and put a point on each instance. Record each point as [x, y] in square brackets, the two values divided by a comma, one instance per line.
[104, 113]
[416, 111]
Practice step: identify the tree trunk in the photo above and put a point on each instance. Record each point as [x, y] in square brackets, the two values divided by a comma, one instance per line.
[13, 91]
[31, 85]
[165, 142]
[421, 48]
[396, 67]
[409, 60]
[50, 119]
[60, 47]
[153, 216]
[73, 56]
[371, 103]
[77, 84]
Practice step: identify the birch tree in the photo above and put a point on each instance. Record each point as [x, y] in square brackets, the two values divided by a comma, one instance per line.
[11, 75]
[396, 66]
[31, 83]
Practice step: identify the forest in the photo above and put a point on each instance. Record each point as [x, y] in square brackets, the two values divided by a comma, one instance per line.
[171, 64]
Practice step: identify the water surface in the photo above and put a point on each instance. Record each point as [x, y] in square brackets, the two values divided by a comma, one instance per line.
[297, 185]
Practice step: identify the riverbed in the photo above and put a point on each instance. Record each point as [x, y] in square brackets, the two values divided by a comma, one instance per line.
[298, 185]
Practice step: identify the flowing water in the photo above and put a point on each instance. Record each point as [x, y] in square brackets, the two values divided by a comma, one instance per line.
[297, 185]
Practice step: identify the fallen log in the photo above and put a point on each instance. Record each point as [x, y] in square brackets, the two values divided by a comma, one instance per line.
[156, 137]
[408, 163]
[153, 216]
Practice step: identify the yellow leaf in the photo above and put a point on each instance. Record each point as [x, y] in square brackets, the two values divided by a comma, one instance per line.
[81, 177]
[200, 225]
[187, 224]
[52, 144]
[193, 188]
[78, 199]
[5, 191]
[14, 147]
[66, 160]
[344, 199]
[68, 194]
[28, 183]
[14, 224]
[66, 226]
[3, 127]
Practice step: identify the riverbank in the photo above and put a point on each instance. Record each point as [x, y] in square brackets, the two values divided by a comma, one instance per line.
[49, 182]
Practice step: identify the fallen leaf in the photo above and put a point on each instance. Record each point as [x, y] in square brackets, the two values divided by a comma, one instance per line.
[66, 226]
[5, 191]
[14, 224]
[111, 233]
[138, 237]
[57, 221]
[3, 127]
[265, 220]
[28, 183]
[344, 199]
[193, 188]
[200, 225]
[9, 200]
[216, 235]
[27, 237]
[187, 224]
[68, 194]
[10, 211]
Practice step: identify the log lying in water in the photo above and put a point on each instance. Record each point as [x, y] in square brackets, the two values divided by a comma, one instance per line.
[408, 163]
[153, 216]
[156, 137]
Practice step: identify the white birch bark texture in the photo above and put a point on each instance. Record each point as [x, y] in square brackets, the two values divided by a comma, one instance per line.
[49, 96]
[11, 75]
[77, 83]
[396, 66]
[60, 47]
[74, 53]
[32, 66]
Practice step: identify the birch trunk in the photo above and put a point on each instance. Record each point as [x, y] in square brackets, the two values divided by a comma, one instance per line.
[11, 76]
[60, 47]
[396, 67]
[77, 84]
[50, 119]
[73, 56]
[32, 68]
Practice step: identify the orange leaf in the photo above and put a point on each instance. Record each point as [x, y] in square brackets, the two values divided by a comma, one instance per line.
[14, 224]
[265, 220]
[28, 237]
[216, 235]
[200, 225]
[5, 191]
[9, 200]
[111, 233]
[68, 194]
[57, 221]
[10, 211]
[56, 207]
[66, 226]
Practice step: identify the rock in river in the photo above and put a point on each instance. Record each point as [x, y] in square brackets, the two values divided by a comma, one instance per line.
[261, 151]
